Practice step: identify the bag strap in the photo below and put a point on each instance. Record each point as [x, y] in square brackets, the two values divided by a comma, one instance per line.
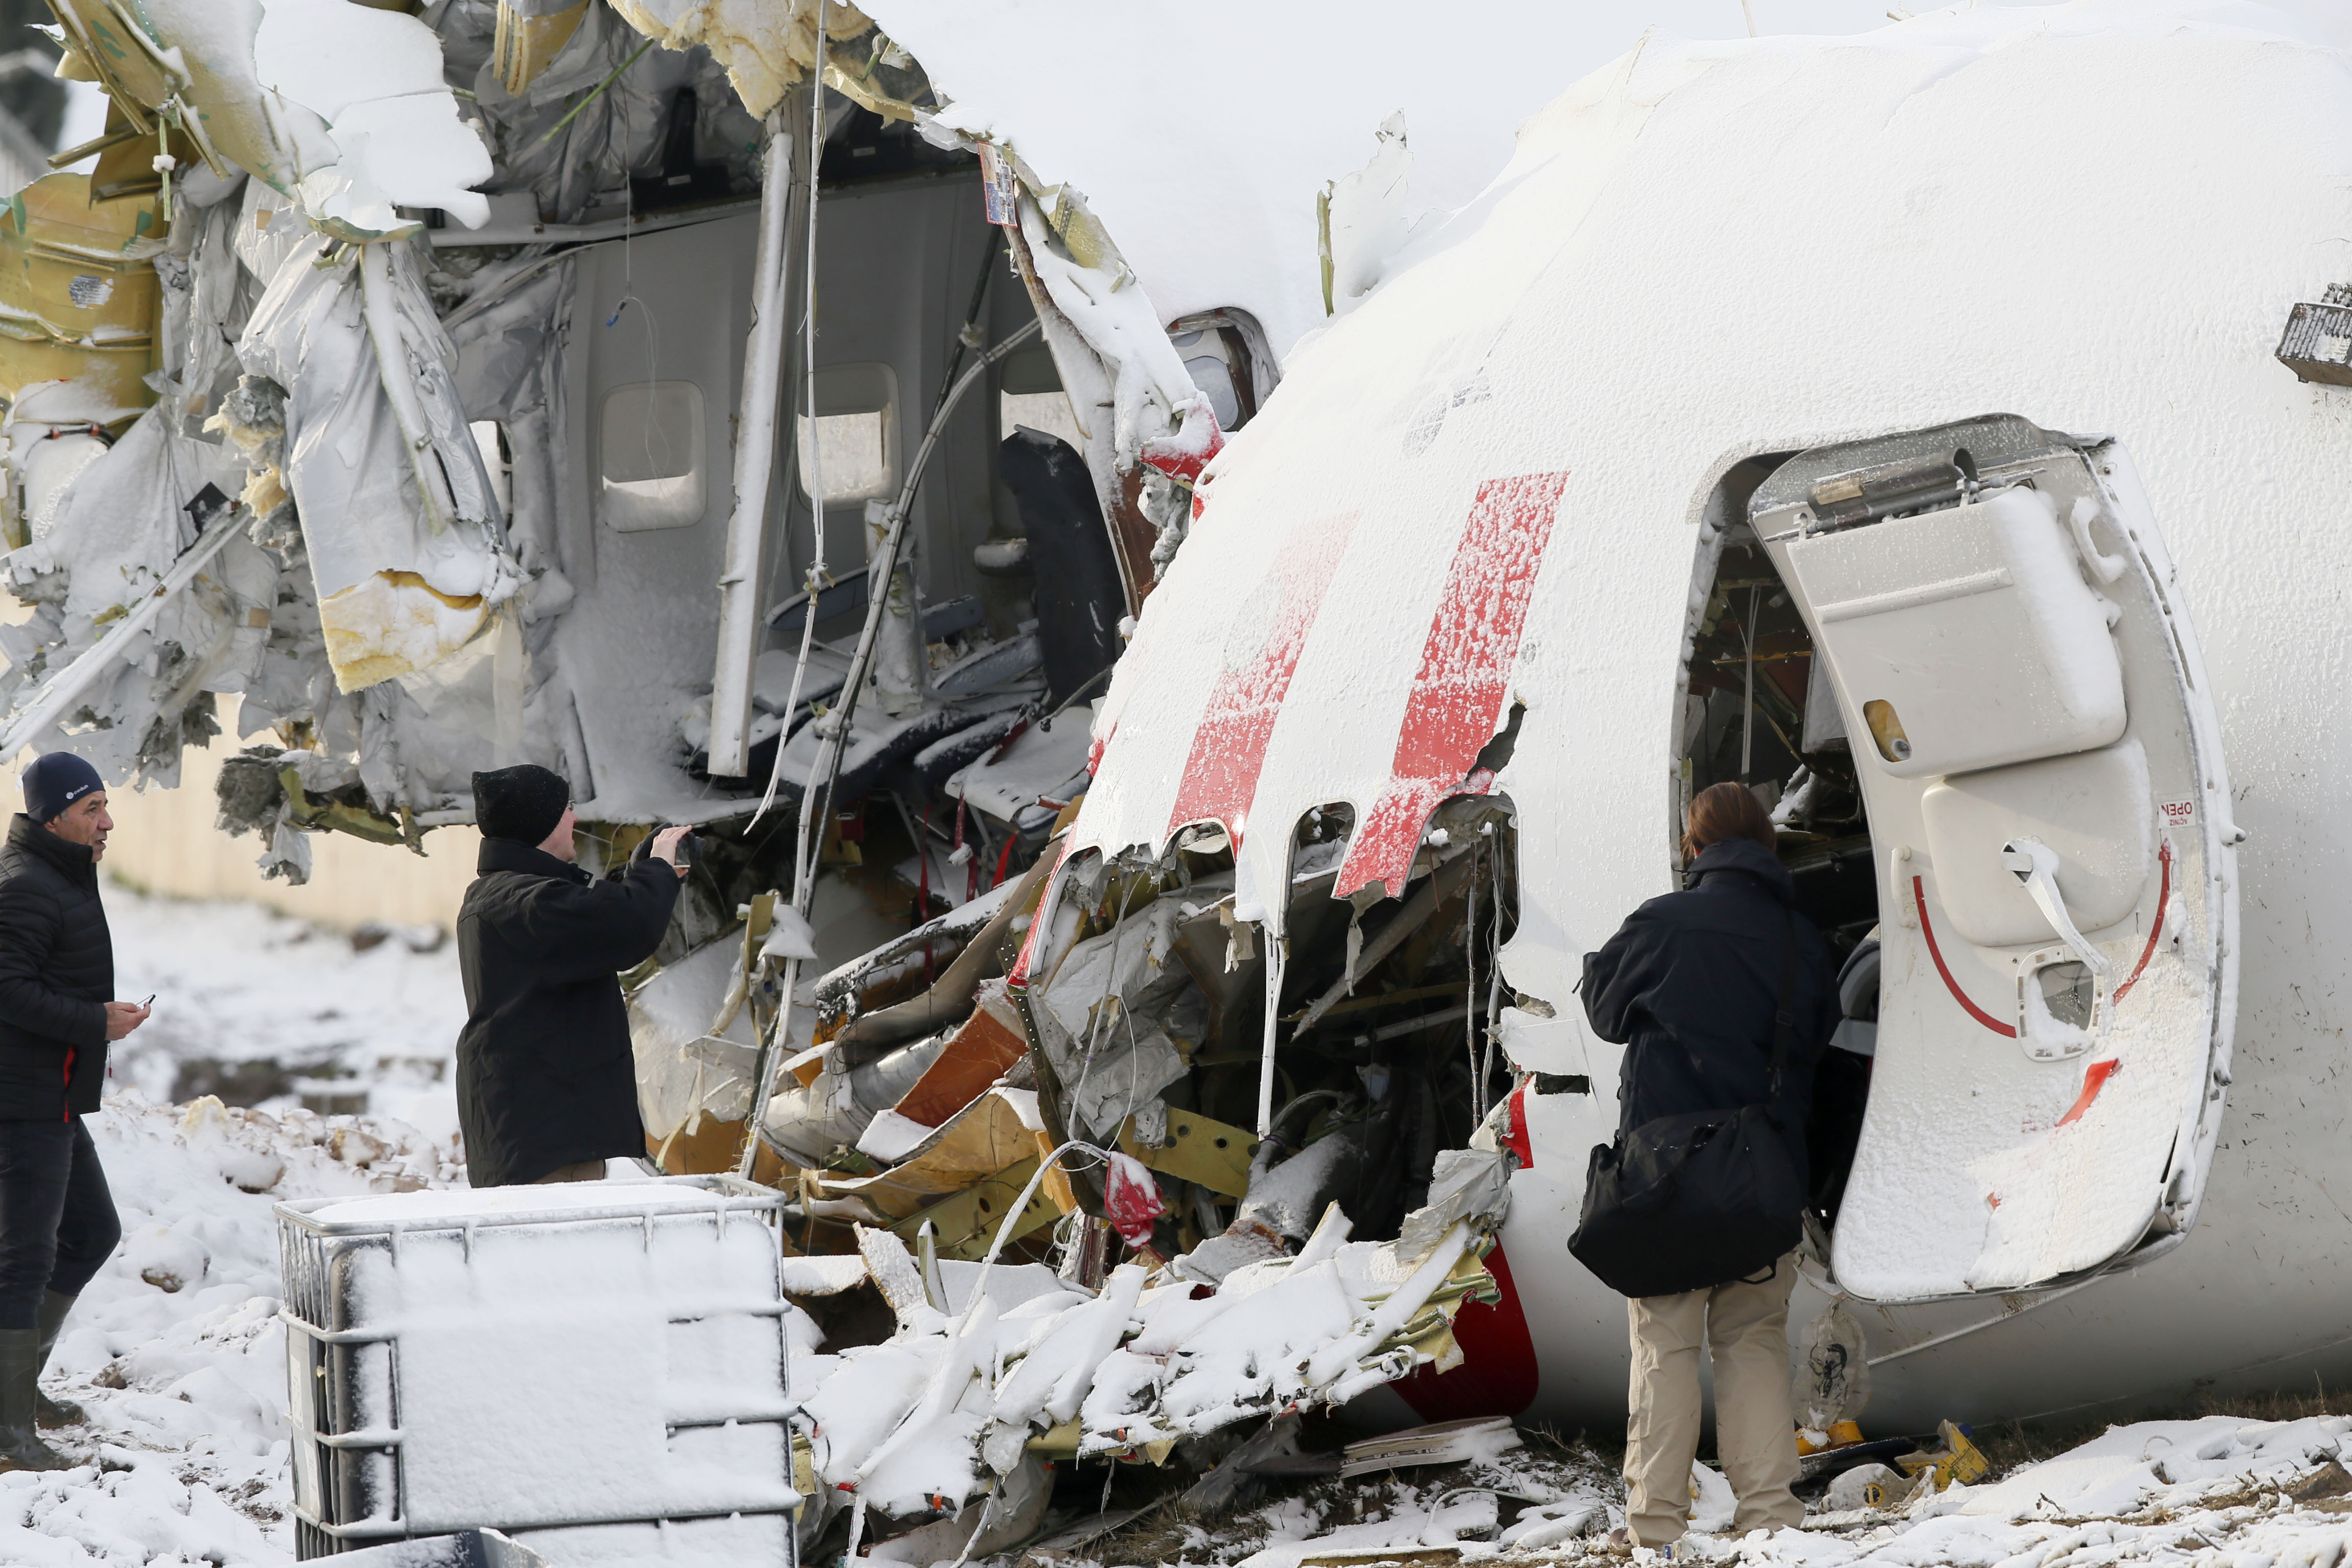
[1784, 1021]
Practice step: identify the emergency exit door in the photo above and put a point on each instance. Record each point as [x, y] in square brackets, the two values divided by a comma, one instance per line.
[2019, 684]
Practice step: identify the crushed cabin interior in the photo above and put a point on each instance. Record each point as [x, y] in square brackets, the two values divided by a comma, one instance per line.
[1947, 661]
[1148, 1010]
[1017, 594]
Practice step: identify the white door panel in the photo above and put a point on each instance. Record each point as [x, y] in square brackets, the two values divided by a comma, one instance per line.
[2094, 809]
[2037, 1111]
[1965, 638]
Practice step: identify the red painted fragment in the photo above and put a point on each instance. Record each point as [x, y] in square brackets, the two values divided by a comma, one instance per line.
[1498, 1371]
[2095, 1078]
[1184, 455]
[1020, 972]
[1465, 671]
[1517, 1143]
[1261, 652]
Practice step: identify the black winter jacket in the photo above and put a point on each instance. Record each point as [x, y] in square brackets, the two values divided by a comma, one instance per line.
[545, 1077]
[57, 974]
[1688, 985]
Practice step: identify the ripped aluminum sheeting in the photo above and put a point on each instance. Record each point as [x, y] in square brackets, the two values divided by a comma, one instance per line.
[398, 586]
[338, 106]
[768, 48]
[935, 1413]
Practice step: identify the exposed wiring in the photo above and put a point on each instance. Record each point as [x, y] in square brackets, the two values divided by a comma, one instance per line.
[598, 91]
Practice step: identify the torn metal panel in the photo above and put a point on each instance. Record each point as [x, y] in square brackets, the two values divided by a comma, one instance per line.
[342, 108]
[769, 47]
[396, 592]
[78, 295]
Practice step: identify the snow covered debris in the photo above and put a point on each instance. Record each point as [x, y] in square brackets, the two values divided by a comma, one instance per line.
[933, 1415]
[176, 1352]
[345, 112]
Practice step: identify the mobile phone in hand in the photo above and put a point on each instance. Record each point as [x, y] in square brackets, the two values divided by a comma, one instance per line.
[686, 852]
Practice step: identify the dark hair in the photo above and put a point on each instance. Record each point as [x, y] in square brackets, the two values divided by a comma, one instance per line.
[1726, 811]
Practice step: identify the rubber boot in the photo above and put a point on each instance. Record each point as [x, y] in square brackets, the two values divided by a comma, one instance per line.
[52, 1412]
[21, 1447]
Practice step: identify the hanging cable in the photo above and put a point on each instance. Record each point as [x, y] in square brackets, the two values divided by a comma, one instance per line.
[1748, 704]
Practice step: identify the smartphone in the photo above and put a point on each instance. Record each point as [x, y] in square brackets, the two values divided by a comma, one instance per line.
[149, 1002]
[685, 853]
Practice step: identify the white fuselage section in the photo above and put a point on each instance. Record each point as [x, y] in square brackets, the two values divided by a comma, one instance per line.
[1707, 254]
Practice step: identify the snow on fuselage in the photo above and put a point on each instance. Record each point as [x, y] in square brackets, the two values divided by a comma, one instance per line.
[1487, 485]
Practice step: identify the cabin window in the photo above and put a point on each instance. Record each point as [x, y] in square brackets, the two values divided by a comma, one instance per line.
[1029, 392]
[652, 451]
[854, 434]
[1209, 360]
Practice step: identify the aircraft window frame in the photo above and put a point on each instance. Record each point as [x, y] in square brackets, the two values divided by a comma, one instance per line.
[857, 424]
[673, 490]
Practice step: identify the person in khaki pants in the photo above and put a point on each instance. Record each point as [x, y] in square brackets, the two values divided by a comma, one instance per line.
[1692, 985]
[1745, 1326]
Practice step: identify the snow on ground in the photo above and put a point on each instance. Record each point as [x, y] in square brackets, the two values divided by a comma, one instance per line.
[2216, 1492]
[246, 999]
[174, 1349]
[176, 1353]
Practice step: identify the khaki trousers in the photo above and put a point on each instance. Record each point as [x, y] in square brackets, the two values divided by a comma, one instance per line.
[1746, 1328]
[578, 1171]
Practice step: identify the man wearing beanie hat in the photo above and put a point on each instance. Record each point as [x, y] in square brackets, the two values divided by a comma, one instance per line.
[547, 1086]
[58, 1223]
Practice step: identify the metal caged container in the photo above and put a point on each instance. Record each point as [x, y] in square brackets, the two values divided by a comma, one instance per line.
[557, 1363]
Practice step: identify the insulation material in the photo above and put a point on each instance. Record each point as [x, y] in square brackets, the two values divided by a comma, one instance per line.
[765, 47]
[998, 1130]
[395, 593]
[54, 430]
[114, 530]
[808, 1122]
[570, 149]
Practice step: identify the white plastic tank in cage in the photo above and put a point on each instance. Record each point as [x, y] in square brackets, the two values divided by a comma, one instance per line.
[598, 1370]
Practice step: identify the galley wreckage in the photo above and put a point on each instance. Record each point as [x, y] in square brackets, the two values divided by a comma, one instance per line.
[439, 386]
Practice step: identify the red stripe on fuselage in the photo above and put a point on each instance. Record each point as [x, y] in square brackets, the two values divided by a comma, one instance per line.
[1229, 748]
[1465, 671]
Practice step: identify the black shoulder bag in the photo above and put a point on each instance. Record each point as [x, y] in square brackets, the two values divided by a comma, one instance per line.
[1692, 1200]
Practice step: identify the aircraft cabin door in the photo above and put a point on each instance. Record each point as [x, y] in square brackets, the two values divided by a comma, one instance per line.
[2050, 822]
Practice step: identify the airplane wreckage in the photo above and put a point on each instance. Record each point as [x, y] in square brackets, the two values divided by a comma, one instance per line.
[441, 386]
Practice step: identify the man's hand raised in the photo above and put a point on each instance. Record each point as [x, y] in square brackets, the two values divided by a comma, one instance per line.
[665, 846]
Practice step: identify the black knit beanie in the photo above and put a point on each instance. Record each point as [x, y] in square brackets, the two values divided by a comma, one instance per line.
[523, 804]
[55, 781]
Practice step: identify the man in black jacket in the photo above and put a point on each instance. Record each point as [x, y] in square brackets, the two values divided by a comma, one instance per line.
[58, 1223]
[547, 1086]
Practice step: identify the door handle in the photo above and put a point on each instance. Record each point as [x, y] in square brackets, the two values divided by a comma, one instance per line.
[2035, 866]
